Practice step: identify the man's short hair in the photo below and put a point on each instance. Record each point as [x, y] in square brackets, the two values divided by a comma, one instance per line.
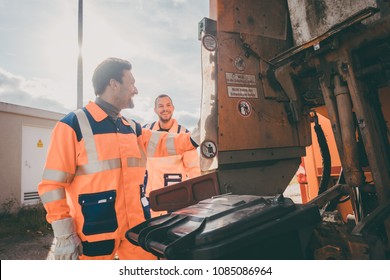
[110, 68]
[161, 96]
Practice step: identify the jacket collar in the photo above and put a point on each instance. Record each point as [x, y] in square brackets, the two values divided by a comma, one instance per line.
[173, 128]
[98, 114]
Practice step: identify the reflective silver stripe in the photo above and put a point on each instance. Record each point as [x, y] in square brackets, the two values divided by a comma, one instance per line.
[143, 155]
[94, 165]
[171, 144]
[99, 166]
[58, 176]
[182, 129]
[53, 195]
[153, 143]
[136, 162]
[87, 133]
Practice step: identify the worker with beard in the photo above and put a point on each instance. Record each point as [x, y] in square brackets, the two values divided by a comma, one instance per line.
[165, 171]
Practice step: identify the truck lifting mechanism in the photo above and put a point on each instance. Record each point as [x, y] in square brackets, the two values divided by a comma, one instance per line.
[272, 70]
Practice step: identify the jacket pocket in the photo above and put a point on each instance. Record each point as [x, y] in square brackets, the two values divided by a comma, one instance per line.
[99, 212]
[99, 248]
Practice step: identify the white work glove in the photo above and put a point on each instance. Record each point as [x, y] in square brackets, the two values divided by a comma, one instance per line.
[68, 245]
[195, 134]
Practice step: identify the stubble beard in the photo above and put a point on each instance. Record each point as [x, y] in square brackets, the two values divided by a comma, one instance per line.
[165, 119]
[131, 104]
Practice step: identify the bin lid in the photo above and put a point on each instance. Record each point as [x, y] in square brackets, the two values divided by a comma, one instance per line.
[229, 215]
[220, 223]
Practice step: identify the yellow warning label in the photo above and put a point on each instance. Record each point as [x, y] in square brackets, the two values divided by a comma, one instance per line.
[40, 144]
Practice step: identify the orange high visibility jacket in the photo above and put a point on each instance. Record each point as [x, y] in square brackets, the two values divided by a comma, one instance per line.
[165, 171]
[94, 169]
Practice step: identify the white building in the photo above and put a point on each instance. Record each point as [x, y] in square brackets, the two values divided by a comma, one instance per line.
[25, 136]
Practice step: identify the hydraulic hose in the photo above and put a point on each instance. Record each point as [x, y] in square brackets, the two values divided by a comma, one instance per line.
[325, 154]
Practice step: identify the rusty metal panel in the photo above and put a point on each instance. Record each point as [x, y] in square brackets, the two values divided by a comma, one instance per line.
[257, 17]
[311, 18]
[246, 118]
[267, 179]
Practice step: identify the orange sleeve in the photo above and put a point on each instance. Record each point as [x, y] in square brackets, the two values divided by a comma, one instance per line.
[158, 144]
[59, 170]
[191, 163]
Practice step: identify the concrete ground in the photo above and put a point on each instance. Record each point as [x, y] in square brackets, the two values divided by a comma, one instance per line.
[33, 246]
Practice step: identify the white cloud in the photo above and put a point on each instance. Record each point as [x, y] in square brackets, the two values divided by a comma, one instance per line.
[158, 37]
[31, 93]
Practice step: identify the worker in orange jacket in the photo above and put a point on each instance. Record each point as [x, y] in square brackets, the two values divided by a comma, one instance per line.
[165, 171]
[95, 166]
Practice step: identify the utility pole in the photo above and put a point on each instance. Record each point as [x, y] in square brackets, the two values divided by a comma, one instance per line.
[80, 57]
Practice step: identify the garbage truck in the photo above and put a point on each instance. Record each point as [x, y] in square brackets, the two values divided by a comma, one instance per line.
[272, 73]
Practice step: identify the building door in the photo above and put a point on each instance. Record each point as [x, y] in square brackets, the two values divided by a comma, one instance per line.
[35, 141]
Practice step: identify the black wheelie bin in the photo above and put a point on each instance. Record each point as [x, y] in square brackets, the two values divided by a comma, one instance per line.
[230, 227]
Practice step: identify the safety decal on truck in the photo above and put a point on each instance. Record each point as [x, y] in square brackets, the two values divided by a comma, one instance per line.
[239, 63]
[240, 79]
[208, 149]
[244, 107]
[242, 92]
[209, 42]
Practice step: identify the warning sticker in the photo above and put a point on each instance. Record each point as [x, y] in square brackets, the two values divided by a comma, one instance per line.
[40, 144]
[208, 149]
[244, 108]
[239, 63]
[241, 79]
[243, 92]
[209, 42]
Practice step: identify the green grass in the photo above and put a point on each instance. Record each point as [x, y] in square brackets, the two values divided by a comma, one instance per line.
[26, 220]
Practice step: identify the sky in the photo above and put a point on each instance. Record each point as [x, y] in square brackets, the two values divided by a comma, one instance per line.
[39, 50]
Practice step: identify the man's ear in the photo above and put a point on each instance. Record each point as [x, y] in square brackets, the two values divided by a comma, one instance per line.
[113, 83]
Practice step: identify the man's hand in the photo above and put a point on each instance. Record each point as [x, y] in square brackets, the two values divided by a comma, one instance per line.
[68, 245]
